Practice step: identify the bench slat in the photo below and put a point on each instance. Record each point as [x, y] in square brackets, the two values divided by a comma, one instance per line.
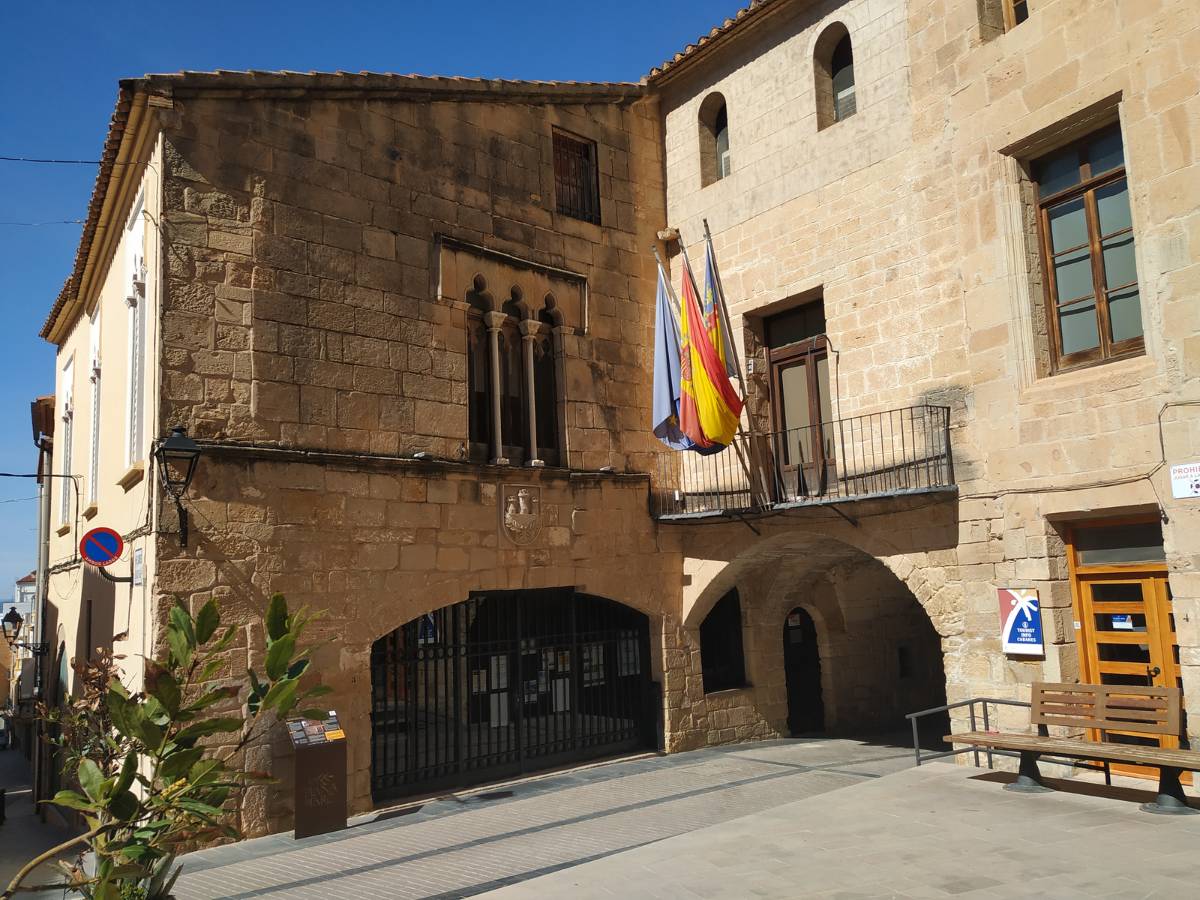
[1075, 749]
[1139, 709]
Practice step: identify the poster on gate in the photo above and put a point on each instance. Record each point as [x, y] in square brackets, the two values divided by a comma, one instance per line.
[1021, 622]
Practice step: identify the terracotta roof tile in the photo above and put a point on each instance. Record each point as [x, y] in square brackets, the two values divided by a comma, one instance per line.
[742, 15]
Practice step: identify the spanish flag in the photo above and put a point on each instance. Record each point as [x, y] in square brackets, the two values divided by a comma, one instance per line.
[709, 407]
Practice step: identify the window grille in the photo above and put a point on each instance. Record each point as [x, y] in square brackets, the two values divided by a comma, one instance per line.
[576, 186]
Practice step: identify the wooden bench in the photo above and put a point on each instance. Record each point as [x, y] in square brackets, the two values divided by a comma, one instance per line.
[1148, 711]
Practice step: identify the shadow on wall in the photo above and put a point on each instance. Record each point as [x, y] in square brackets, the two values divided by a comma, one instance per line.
[97, 618]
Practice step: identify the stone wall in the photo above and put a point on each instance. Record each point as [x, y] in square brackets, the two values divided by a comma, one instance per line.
[374, 544]
[307, 302]
[912, 220]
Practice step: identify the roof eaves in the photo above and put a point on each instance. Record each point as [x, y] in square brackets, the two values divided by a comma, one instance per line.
[705, 43]
[335, 83]
[108, 158]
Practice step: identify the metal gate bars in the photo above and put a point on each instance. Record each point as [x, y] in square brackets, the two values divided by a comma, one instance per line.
[506, 682]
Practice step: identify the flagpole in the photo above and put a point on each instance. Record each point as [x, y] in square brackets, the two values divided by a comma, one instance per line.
[750, 431]
[675, 311]
[687, 273]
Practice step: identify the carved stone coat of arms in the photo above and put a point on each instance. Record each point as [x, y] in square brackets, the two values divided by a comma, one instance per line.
[521, 512]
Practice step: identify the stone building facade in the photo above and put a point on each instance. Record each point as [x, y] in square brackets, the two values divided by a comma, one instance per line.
[411, 322]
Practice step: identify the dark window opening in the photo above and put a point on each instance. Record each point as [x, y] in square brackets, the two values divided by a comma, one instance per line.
[715, 160]
[576, 184]
[722, 143]
[479, 381]
[1015, 12]
[721, 654]
[903, 662]
[833, 76]
[795, 325]
[546, 401]
[1107, 545]
[843, 80]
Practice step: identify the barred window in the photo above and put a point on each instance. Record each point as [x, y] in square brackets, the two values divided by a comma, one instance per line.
[576, 186]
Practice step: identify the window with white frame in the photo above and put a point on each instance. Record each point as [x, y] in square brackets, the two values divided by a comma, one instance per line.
[67, 411]
[94, 457]
[135, 300]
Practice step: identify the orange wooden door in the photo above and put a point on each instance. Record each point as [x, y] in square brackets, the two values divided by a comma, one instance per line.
[1128, 638]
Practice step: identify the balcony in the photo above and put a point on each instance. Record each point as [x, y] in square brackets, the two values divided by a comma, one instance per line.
[899, 451]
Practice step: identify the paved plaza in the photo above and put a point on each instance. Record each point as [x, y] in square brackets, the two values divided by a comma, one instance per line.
[468, 844]
[782, 819]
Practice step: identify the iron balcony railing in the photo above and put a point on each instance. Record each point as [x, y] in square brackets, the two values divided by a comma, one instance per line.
[893, 452]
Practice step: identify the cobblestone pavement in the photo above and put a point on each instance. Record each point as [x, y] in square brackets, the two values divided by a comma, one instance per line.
[465, 845]
[937, 831]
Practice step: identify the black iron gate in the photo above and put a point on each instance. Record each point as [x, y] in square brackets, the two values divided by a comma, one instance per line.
[506, 682]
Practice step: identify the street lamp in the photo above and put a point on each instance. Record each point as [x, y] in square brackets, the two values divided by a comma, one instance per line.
[177, 456]
[12, 622]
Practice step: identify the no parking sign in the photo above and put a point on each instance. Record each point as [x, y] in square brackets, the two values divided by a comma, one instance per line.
[101, 547]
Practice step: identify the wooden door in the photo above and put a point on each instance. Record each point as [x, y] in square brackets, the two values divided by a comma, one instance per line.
[1129, 638]
[800, 393]
[1123, 613]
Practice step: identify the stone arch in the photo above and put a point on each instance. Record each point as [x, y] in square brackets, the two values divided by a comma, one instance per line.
[833, 59]
[874, 609]
[712, 578]
[478, 295]
[515, 305]
[432, 596]
[550, 313]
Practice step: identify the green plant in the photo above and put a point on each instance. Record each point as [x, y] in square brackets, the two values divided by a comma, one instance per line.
[173, 782]
[83, 727]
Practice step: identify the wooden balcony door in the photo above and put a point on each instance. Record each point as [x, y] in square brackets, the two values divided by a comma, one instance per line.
[800, 403]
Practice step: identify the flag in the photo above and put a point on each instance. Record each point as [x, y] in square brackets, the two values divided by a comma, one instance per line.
[666, 368]
[716, 314]
[709, 408]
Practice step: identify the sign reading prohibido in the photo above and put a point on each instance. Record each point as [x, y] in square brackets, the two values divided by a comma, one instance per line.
[321, 801]
[1021, 622]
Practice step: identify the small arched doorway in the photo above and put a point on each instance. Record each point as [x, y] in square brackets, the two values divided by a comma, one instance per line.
[802, 668]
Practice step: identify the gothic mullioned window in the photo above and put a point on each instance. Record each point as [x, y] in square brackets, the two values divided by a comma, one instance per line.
[512, 374]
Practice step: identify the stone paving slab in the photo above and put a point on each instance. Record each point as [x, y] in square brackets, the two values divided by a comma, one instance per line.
[462, 845]
[931, 832]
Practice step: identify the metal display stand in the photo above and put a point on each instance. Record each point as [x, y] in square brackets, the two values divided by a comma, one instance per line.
[320, 789]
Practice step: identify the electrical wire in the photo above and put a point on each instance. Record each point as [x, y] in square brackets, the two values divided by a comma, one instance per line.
[58, 162]
[40, 224]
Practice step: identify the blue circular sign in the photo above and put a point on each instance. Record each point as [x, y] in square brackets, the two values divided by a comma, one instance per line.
[101, 546]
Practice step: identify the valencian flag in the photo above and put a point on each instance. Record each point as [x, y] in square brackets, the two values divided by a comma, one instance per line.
[715, 321]
[709, 408]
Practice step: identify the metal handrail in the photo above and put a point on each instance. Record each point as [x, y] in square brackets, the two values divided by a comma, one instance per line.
[913, 716]
[989, 752]
[891, 452]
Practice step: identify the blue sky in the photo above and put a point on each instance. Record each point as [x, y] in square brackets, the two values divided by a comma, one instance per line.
[59, 66]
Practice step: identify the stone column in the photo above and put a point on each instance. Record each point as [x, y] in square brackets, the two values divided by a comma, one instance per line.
[529, 333]
[495, 321]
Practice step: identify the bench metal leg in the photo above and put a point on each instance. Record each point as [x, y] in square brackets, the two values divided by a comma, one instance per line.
[1029, 777]
[1171, 801]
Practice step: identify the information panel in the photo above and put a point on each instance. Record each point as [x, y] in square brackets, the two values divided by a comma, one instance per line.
[1021, 622]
